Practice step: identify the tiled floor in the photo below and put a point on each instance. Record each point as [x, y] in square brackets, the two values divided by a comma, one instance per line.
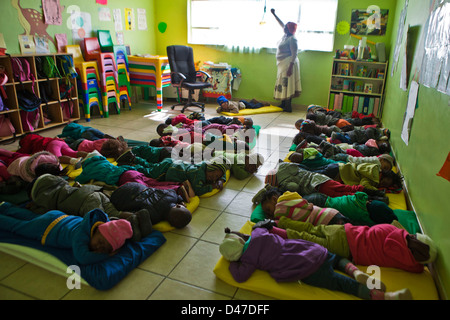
[183, 267]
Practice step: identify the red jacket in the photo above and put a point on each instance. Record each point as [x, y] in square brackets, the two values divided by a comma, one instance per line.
[32, 143]
[383, 245]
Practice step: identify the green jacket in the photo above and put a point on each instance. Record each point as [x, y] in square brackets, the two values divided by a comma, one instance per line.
[353, 207]
[365, 174]
[291, 177]
[51, 192]
[237, 164]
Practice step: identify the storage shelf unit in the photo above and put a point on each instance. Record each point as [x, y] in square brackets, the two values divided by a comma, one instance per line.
[357, 85]
[52, 110]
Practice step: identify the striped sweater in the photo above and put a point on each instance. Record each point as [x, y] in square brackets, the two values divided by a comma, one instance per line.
[293, 206]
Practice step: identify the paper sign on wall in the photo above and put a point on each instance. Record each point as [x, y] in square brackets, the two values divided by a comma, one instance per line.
[41, 44]
[27, 45]
[142, 19]
[410, 110]
[119, 38]
[52, 12]
[61, 41]
[104, 14]
[129, 19]
[117, 20]
[81, 25]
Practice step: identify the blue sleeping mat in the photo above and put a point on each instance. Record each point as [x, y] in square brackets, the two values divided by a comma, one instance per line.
[103, 275]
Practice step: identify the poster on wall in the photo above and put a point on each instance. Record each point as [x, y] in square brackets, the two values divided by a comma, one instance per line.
[117, 16]
[27, 45]
[41, 44]
[52, 12]
[81, 25]
[129, 19]
[142, 19]
[61, 41]
[104, 14]
[401, 28]
[435, 69]
[119, 38]
[370, 21]
[410, 110]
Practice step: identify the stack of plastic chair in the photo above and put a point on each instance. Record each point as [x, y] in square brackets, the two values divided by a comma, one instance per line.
[88, 81]
[107, 72]
[121, 59]
[120, 52]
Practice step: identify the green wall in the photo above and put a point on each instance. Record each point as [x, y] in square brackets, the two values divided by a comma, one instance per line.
[427, 150]
[141, 41]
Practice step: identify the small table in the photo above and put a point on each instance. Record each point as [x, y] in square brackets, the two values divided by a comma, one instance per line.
[151, 71]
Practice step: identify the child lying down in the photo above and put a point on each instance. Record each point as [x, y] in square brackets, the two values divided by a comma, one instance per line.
[49, 192]
[289, 260]
[92, 238]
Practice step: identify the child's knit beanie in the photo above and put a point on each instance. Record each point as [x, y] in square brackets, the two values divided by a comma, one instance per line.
[116, 232]
[232, 247]
[217, 166]
[428, 241]
[388, 158]
[221, 100]
[271, 177]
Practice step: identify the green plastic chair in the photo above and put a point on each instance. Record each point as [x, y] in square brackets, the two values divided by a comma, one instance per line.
[105, 41]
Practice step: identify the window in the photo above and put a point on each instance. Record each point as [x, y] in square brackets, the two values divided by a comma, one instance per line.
[249, 23]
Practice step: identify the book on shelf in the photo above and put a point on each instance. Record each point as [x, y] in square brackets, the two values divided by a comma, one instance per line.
[348, 103]
[343, 69]
[371, 105]
[331, 102]
[366, 103]
[355, 103]
[360, 104]
[376, 106]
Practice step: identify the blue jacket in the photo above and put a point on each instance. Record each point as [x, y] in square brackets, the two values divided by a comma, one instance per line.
[55, 229]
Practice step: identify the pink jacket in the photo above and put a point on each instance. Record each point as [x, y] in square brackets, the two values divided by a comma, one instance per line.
[24, 166]
[383, 245]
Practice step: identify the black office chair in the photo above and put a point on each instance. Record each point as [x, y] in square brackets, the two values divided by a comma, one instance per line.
[183, 74]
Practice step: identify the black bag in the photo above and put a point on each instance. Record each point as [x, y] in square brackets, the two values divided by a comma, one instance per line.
[45, 91]
[28, 101]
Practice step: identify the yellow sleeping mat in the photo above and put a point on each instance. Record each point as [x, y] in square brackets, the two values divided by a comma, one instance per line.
[246, 112]
[165, 226]
[421, 285]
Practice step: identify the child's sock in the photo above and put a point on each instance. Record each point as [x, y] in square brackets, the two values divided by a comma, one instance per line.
[403, 294]
[361, 277]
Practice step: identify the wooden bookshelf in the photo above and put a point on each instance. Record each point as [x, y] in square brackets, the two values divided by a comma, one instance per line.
[357, 85]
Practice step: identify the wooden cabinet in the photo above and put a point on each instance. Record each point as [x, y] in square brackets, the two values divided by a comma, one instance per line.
[357, 86]
[51, 112]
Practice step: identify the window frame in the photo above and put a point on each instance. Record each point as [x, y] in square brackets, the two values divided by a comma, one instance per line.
[303, 32]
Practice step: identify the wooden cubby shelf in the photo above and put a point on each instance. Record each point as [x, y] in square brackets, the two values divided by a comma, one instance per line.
[50, 113]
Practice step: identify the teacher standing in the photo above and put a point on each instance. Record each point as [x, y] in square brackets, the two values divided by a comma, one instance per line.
[288, 84]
